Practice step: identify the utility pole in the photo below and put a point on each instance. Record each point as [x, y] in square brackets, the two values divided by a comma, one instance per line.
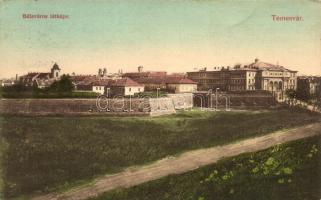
[157, 99]
[216, 98]
[210, 91]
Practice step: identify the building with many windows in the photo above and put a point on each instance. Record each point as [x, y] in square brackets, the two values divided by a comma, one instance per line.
[255, 76]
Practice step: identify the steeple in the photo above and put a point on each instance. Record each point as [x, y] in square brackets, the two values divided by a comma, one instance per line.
[55, 70]
[55, 67]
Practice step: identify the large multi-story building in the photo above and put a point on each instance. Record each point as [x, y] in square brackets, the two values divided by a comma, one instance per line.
[255, 76]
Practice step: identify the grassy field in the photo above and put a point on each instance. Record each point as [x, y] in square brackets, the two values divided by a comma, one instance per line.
[49, 153]
[289, 171]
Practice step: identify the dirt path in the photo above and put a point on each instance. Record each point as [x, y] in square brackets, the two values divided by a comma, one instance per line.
[182, 163]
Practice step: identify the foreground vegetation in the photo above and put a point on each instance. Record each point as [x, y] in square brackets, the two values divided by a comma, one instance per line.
[50, 153]
[289, 171]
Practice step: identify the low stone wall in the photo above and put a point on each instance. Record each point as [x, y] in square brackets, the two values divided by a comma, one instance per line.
[47, 105]
[133, 106]
[235, 100]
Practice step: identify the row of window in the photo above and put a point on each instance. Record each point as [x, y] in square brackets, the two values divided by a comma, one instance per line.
[219, 81]
[251, 87]
[251, 81]
[237, 80]
[130, 89]
[292, 81]
[101, 88]
[237, 87]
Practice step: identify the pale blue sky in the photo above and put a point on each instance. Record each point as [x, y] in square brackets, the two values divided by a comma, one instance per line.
[160, 35]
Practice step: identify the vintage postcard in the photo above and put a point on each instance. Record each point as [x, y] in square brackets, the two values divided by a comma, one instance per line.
[160, 100]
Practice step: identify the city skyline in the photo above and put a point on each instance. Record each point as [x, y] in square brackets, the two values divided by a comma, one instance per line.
[175, 36]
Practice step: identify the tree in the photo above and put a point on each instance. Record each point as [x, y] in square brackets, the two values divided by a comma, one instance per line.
[64, 85]
[291, 94]
[303, 90]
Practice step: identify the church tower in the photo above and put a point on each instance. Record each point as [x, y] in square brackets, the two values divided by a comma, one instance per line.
[55, 71]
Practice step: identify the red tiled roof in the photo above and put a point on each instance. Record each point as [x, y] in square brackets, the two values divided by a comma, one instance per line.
[40, 75]
[165, 80]
[124, 82]
[179, 80]
[145, 74]
[43, 75]
[117, 82]
[30, 75]
[84, 79]
[103, 82]
[81, 77]
[151, 80]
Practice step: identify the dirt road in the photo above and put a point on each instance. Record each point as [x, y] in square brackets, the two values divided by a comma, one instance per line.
[182, 163]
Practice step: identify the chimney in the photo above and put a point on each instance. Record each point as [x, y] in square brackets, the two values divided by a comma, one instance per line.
[140, 69]
[99, 72]
[256, 60]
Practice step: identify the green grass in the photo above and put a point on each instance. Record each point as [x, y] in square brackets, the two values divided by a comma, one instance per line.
[284, 172]
[2, 149]
[151, 94]
[50, 153]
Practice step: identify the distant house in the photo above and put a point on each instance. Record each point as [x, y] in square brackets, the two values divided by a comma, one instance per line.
[123, 87]
[175, 83]
[7, 82]
[101, 86]
[152, 83]
[41, 79]
[180, 85]
[83, 82]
